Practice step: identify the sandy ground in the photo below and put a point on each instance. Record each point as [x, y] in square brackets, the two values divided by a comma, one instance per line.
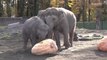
[11, 44]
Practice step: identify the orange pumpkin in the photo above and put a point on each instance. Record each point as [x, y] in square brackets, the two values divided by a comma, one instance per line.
[103, 45]
[47, 46]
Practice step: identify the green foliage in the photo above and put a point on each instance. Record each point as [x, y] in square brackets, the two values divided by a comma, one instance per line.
[71, 3]
[53, 3]
[43, 4]
[22, 8]
[28, 8]
[76, 7]
[92, 14]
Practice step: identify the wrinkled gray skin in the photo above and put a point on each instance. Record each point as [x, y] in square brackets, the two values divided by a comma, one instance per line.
[34, 29]
[60, 20]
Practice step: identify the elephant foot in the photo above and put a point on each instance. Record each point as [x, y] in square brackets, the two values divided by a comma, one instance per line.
[67, 46]
[59, 46]
[71, 45]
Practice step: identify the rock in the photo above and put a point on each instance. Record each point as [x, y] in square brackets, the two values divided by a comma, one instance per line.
[102, 46]
[13, 25]
[47, 46]
[14, 28]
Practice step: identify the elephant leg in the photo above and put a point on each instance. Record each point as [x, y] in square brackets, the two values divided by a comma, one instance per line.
[33, 40]
[57, 38]
[75, 37]
[71, 36]
[50, 34]
[25, 37]
[66, 40]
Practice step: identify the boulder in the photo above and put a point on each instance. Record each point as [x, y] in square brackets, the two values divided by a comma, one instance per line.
[47, 46]
[102, 46]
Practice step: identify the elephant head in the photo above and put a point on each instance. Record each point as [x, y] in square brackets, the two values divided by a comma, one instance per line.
[51, 16]
[42, 31]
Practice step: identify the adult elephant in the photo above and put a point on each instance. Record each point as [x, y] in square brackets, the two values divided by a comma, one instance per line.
[34, 29]
[60, 20]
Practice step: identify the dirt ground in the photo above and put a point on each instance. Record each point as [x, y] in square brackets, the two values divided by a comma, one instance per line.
[11, 43]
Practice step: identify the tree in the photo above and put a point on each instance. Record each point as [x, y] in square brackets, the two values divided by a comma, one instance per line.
[8, 7]
[1, 8]
[89, 10]
[20, 8]
[32, 8]
[43, 4]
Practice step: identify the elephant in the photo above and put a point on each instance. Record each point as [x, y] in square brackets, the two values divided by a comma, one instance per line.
[60, 20]
[35, 30]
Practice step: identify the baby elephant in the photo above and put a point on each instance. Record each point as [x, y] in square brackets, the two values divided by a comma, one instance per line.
[34, 29]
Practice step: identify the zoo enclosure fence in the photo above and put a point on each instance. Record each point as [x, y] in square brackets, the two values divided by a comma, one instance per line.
[87, 25]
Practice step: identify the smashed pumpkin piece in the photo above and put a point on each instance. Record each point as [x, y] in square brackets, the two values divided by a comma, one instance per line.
[102, 46]
[47, 46]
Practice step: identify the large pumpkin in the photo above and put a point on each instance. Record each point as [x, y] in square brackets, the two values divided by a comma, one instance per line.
[103, 45]
[47, 46]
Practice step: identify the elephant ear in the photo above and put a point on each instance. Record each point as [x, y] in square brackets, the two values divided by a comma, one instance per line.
[61, 14]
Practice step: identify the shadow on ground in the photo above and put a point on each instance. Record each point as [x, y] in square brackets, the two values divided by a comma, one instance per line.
[18, 55]
[100, 53]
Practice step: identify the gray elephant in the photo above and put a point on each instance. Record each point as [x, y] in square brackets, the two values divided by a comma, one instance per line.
[60, 20]
[34, 29]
